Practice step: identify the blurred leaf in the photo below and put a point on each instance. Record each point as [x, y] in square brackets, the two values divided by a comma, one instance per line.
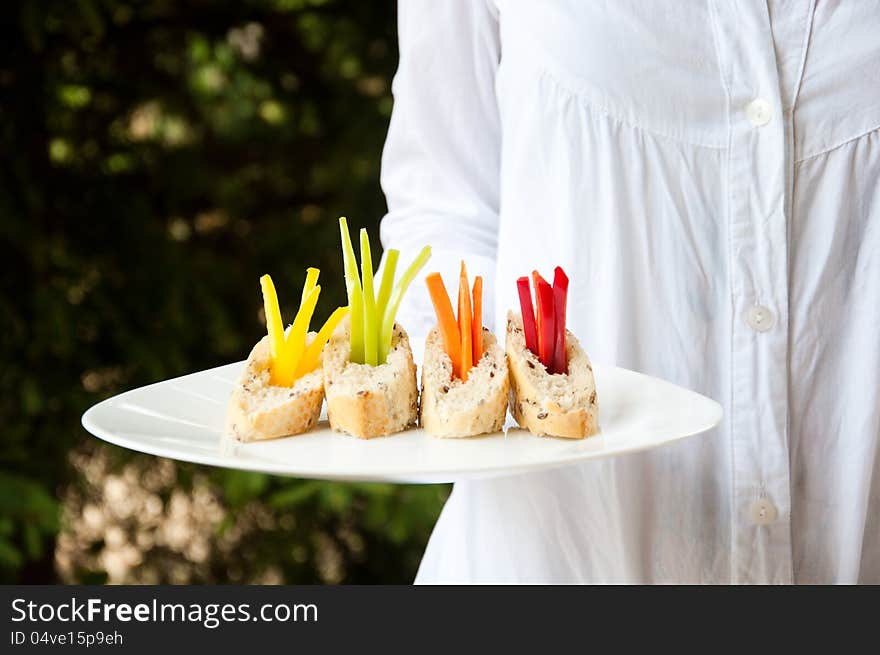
[336, 498]
[294, 494]
[33, 542]
[10, 557]
[93, 577]
[24, 499]
[242, 486]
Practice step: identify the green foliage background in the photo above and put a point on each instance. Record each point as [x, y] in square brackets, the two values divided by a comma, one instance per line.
[157, 157]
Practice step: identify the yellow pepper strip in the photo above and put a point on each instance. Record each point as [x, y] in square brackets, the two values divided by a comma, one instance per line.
[394, 302]
[387, 282]
[275, 327]
[296, 338]
[371, 329]
[311, 280]
[355, 295]
[309, 360]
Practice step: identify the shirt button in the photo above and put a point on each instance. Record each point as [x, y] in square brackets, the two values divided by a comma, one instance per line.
[759, 318]
[763, 512]
[758, 111]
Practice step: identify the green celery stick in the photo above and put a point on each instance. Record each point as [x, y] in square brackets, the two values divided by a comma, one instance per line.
[355, 295]
[371, 329]
[387, 283]
[394, 302]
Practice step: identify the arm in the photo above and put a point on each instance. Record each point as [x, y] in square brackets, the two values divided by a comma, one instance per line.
[440, 165]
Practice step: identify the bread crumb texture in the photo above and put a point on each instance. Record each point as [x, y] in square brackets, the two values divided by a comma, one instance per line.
[370, 401]
[452, 408]
[259, 410]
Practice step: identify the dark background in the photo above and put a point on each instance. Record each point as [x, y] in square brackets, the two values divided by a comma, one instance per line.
[157, 158]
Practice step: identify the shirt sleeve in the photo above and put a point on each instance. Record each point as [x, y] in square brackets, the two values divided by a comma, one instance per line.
[440, 164]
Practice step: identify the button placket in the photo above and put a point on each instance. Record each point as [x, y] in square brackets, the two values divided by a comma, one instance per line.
[759, 285]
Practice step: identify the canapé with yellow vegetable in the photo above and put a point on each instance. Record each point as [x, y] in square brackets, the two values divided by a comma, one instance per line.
[281, 389]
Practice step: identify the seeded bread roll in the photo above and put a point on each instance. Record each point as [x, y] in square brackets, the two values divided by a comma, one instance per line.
[558, 405]
[259, 410]
[452, 408]
[370, 401]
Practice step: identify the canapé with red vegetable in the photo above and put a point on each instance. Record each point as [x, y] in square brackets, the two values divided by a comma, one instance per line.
[553, 392]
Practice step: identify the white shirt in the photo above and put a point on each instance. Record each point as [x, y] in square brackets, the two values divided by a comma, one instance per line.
[708, 174]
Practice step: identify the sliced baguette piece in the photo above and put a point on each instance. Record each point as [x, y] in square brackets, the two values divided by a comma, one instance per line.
[452, 408]
[370, 401]
[259, 410]
[558, 405]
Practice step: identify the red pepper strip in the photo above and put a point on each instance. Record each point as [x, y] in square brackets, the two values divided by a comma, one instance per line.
[477, 327]
[546, 333]
[528, 314]
[560, 295]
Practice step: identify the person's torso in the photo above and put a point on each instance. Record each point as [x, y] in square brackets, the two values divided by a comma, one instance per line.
[709, 176]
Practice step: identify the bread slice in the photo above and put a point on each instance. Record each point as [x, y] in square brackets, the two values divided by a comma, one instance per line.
[558, 405]
[370, 401]
[452, 408]
[259, 410]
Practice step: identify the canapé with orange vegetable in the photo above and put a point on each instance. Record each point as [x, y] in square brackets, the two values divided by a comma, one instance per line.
[464, 372]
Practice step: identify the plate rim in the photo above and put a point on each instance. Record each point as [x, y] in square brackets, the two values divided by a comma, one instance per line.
[410, 477]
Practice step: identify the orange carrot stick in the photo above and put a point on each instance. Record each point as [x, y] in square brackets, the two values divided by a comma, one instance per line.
[445, 321]
[465, 316]
[478, 319]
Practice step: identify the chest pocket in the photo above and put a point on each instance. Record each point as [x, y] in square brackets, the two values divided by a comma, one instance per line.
[653, 69]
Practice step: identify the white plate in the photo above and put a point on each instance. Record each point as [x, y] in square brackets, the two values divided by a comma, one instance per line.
[182, 419]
